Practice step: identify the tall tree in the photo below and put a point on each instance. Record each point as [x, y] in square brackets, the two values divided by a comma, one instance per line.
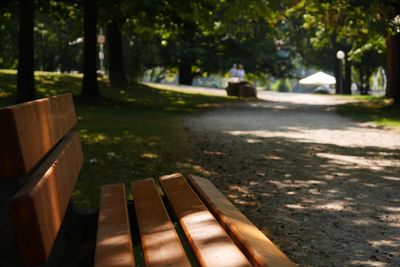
[90, 86]
[115, 14]
[363, 24]
[392, 11]
[25, 80]
[393, 68]
[116, 64]
[321, 38]
[376, 21]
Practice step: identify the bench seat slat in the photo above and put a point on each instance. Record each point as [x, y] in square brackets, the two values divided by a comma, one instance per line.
[39, 206]
[160, 242]
[208, 240]
[258, 248]
[114, 240]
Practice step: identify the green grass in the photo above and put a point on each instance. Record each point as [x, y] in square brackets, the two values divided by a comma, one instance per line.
[133, 132]
[372, 109]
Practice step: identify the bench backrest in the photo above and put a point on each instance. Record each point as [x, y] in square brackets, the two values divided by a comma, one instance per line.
[37, 148]
[30, 130]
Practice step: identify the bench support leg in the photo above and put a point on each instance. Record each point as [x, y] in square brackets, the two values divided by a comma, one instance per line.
[76, 242]
[9, 255]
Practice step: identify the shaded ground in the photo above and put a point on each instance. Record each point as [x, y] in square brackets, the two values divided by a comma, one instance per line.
[324, 188]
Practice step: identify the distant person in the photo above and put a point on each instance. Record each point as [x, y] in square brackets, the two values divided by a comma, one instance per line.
[241, 72]
[233, 73]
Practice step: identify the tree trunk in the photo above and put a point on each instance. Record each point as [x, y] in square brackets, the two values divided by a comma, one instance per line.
[347, 78]
[90, 87]
[185, 73]
[368, 74]
[361, 74]
[26, 80]
[393, 68]
[115, 53]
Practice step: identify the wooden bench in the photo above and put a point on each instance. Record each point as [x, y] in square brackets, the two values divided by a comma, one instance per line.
[40, 161]
[184, 221]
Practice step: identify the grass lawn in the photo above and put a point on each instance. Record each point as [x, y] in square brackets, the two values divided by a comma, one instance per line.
[372, 109]
[133, 132]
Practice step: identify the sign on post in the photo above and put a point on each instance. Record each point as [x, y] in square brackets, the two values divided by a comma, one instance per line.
[101, 39]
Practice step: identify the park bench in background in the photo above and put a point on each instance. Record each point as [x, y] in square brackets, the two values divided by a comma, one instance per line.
[40, 161]
[241, 89]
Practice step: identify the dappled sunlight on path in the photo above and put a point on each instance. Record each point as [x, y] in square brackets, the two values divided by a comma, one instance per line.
[324, 188]
[304, 99]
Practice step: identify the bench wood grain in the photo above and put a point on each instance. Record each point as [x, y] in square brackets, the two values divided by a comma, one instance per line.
[39, 206]
[257, 247]
[114, 241]
[160, 242]
[208, 240]
[33, 128]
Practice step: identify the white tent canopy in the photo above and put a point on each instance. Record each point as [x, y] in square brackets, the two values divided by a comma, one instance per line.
[319, 78]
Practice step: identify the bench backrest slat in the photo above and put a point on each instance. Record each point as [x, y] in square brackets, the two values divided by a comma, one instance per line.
[160, 242]
[114, 242]
[39, 206]
[30, 130]
[208, 240]
[257, 247]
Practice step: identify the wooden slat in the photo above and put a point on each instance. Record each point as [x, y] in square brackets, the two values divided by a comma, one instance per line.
[30, 130]
[257, 247]
[208, 240]
[114, 241]
[160, 242]
[39, 206]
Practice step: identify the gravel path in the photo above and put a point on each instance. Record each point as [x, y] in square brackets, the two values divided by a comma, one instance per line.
[324, 188]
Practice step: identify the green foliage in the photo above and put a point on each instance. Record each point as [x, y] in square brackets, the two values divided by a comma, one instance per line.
[211, 35]
[8, 37]
[46, 83]
[55, 27]
[268, 37]
[56, 24]
[320, 28]
[284, 86]
[281, 85]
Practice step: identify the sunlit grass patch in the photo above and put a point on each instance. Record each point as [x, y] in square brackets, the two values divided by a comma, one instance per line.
[149, 156]
[46, 84]
[5, 71]
[373, 109]
[5, 94]
[8, 86]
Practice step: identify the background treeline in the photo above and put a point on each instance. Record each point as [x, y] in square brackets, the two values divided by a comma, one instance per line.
[200, 38]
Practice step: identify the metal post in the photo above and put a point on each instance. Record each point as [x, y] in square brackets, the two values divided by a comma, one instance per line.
[339, 84]
[100, 40]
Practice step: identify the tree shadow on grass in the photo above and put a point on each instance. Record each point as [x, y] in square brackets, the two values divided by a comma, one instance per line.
[133, 95]
[46, 84]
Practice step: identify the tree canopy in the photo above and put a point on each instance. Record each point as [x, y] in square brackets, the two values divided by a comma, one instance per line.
[205, 37]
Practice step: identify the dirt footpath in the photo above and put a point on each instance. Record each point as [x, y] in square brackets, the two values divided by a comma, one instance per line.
[324, 188]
